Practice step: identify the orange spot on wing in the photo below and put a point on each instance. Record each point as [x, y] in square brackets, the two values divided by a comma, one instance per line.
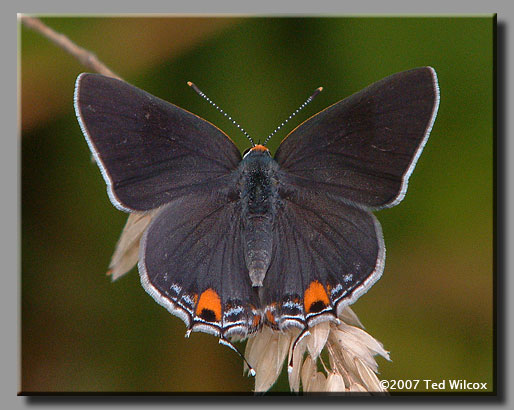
[260, 148]
[256, 320]
[270, 317]
[209, 301]
[314, 296]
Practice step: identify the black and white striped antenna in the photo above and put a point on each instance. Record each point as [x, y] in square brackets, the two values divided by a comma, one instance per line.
[202, 94]
[301, 107]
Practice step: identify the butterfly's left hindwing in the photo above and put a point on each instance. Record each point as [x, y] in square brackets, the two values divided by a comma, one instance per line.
[191, 262]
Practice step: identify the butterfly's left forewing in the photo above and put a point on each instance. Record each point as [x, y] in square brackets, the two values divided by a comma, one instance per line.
[149, 151]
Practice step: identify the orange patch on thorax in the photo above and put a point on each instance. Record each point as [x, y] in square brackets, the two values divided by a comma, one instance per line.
[259, 147]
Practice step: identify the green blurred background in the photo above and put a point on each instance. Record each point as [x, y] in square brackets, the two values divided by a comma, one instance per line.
[433, 307]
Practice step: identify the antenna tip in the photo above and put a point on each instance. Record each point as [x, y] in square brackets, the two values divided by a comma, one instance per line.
[189, 83]
[320, 89]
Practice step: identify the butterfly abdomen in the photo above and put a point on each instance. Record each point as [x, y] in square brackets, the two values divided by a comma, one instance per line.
[258, 198]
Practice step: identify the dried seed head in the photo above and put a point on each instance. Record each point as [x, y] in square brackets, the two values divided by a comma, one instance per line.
[351, 352]
[126, 253]
[267, 352]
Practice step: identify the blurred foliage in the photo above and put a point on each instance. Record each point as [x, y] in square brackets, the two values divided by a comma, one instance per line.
[433, 307]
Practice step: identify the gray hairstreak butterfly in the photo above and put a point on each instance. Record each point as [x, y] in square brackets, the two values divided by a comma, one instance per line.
[239, 242]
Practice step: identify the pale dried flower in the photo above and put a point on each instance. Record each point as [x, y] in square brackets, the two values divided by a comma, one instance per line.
[267, 352]
[126, 253]
[351, 369]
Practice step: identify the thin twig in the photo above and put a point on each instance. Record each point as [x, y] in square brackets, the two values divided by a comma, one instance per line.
[87, 58]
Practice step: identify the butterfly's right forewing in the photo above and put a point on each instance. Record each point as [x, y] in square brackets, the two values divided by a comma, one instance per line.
[363, 149]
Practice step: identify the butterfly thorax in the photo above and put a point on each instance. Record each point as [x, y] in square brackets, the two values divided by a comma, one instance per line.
[258, 196]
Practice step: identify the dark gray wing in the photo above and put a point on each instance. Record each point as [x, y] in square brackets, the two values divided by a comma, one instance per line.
[326, 255]
[191, 262]
[364, 148]
[149, 151]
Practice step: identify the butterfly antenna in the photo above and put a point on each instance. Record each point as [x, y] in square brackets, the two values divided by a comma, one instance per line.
[202, 94]
[301, 107]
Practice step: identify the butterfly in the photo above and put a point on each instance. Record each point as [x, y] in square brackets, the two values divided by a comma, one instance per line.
[240, 242]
